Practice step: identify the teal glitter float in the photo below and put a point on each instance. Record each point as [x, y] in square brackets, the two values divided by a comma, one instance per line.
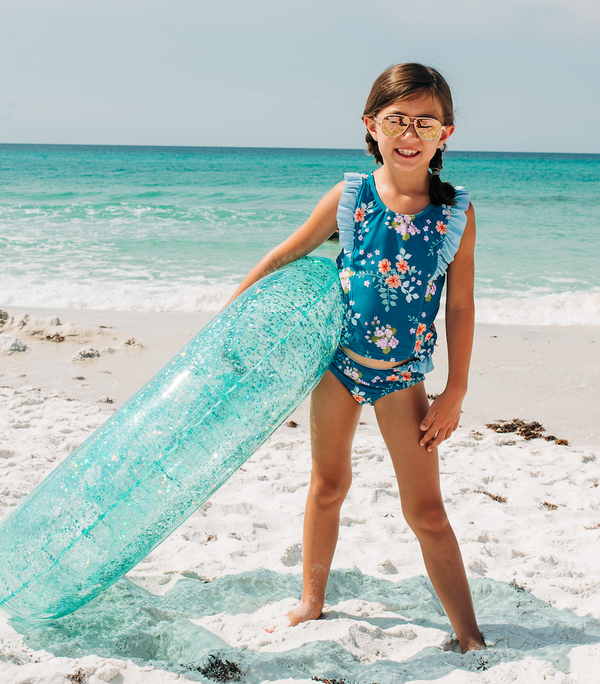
[172, 445]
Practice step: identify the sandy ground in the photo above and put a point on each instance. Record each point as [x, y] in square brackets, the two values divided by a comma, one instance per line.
[527, 514]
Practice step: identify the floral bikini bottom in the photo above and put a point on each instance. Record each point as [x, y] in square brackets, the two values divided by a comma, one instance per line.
[367, 384]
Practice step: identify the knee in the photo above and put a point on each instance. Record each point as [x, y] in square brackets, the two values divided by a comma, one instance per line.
[428, 520]
[327, 491]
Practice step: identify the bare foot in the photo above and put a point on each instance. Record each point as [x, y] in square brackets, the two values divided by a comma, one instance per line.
[304, 612]
[474, 645]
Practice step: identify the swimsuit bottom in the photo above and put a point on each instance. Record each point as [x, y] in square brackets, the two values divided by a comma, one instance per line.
[366, 384]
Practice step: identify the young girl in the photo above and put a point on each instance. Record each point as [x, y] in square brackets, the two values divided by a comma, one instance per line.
[402, 232]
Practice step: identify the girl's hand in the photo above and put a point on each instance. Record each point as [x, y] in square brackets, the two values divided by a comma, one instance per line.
[442, 419]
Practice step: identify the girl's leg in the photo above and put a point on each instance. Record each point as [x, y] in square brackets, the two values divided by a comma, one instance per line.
[334, 416]
[399, 415]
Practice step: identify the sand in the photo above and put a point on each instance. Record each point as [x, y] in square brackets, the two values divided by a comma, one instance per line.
[527, 514]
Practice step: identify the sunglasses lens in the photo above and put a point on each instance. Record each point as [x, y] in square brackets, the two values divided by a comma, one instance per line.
[428, 129]
[393, 125]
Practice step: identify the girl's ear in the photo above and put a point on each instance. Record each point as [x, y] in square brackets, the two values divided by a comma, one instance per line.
[371, 126]
[447, 131]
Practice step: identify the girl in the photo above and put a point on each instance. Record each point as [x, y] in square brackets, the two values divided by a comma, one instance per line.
[402, 232]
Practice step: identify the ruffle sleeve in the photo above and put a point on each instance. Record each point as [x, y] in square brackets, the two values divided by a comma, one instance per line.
[456, 227]
[346, 207]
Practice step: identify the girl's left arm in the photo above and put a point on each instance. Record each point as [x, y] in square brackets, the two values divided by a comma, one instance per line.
[444, 413]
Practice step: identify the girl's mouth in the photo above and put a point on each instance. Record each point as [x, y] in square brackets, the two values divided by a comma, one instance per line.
[407, 153]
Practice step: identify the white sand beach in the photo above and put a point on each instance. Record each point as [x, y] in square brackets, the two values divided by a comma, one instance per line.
[526, 512]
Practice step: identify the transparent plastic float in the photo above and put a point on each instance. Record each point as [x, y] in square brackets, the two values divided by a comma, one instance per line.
[172, 445]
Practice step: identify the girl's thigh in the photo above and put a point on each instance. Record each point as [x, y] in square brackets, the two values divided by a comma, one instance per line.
[334, 416]
[399, 416]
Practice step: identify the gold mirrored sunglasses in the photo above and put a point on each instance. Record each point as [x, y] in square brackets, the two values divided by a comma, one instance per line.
[426, 128]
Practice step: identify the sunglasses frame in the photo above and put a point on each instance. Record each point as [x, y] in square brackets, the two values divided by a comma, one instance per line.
[411, 120]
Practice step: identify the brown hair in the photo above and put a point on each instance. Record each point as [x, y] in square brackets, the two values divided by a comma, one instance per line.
[404, 81]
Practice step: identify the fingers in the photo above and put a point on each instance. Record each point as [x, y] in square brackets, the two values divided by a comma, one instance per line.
[439, 423]
[435, 434]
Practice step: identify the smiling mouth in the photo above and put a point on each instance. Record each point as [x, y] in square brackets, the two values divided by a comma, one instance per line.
[407, 153]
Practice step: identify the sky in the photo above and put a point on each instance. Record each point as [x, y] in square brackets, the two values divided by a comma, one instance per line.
[274, 73]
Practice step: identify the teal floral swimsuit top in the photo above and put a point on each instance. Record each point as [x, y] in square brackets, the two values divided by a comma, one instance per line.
[392, 268]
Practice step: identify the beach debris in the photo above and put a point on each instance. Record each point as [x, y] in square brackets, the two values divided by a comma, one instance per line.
[107, 400]
[526, 430]
[593, 527]
[86, 353]
[217, 669]
[549, 506]
[106, 327]
[3, 317]
[9, 345]
[292, 423]
[335, 680]
[496, 497]
[482, 663]
[132, 343]
[21, 321]
[77, 676]
[79, 377]
[432, 397]
[594, 485]
[57, 337]
[518, 587]
[209, 538]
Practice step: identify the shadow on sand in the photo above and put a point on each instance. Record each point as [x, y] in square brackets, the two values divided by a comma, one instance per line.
[128, 622]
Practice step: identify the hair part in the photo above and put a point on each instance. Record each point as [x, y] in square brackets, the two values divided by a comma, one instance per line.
[402, 82]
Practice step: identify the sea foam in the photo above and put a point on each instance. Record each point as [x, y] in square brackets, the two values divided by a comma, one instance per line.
[563, 308]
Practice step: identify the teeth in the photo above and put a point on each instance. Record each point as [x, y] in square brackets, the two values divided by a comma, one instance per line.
[408, 153]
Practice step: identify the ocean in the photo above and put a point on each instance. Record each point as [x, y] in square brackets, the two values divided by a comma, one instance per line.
[176, 228]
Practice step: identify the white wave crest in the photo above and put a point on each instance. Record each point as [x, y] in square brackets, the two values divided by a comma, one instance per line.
[564, 308]
[112, 296]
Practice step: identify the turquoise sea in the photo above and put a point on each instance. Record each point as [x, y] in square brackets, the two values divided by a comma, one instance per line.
[166, 228]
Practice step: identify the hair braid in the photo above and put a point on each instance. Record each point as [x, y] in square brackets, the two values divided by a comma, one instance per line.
[373, 148]
[440, 192]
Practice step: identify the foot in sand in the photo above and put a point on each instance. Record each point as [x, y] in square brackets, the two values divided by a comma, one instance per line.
[304, 612]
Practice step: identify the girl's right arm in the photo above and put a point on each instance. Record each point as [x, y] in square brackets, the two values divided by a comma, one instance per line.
[321, 225]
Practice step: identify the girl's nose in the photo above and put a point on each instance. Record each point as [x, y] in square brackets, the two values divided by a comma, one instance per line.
[410, 131]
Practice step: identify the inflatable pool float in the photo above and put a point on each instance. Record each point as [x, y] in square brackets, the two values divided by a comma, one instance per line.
[172, 445]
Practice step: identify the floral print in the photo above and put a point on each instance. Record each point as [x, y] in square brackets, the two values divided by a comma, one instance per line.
[345, 275]
[369, 384]
[396, 278]
[424, 338]
[430, 291]
[382, 336]
[403, 224]
[387, 278]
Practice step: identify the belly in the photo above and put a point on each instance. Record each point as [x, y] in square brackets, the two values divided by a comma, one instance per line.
[374, 363]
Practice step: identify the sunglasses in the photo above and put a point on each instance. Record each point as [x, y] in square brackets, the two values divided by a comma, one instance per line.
[426, 128]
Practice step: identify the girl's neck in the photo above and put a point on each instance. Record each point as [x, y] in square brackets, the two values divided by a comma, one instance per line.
[402, 193]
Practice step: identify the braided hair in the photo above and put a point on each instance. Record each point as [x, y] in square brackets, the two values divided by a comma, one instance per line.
[401, 82]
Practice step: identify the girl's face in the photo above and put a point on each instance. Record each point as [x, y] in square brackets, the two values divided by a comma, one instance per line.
[408, 152]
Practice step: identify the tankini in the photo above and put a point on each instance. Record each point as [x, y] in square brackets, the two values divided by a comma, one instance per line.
[392, 269]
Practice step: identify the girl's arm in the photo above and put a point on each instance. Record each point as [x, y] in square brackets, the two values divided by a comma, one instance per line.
[321, 225]
[444, 413]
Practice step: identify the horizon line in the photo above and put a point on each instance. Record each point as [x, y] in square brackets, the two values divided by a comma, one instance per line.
[251, 147]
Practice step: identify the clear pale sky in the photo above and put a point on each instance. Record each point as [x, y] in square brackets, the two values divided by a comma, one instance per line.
[271, 73]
